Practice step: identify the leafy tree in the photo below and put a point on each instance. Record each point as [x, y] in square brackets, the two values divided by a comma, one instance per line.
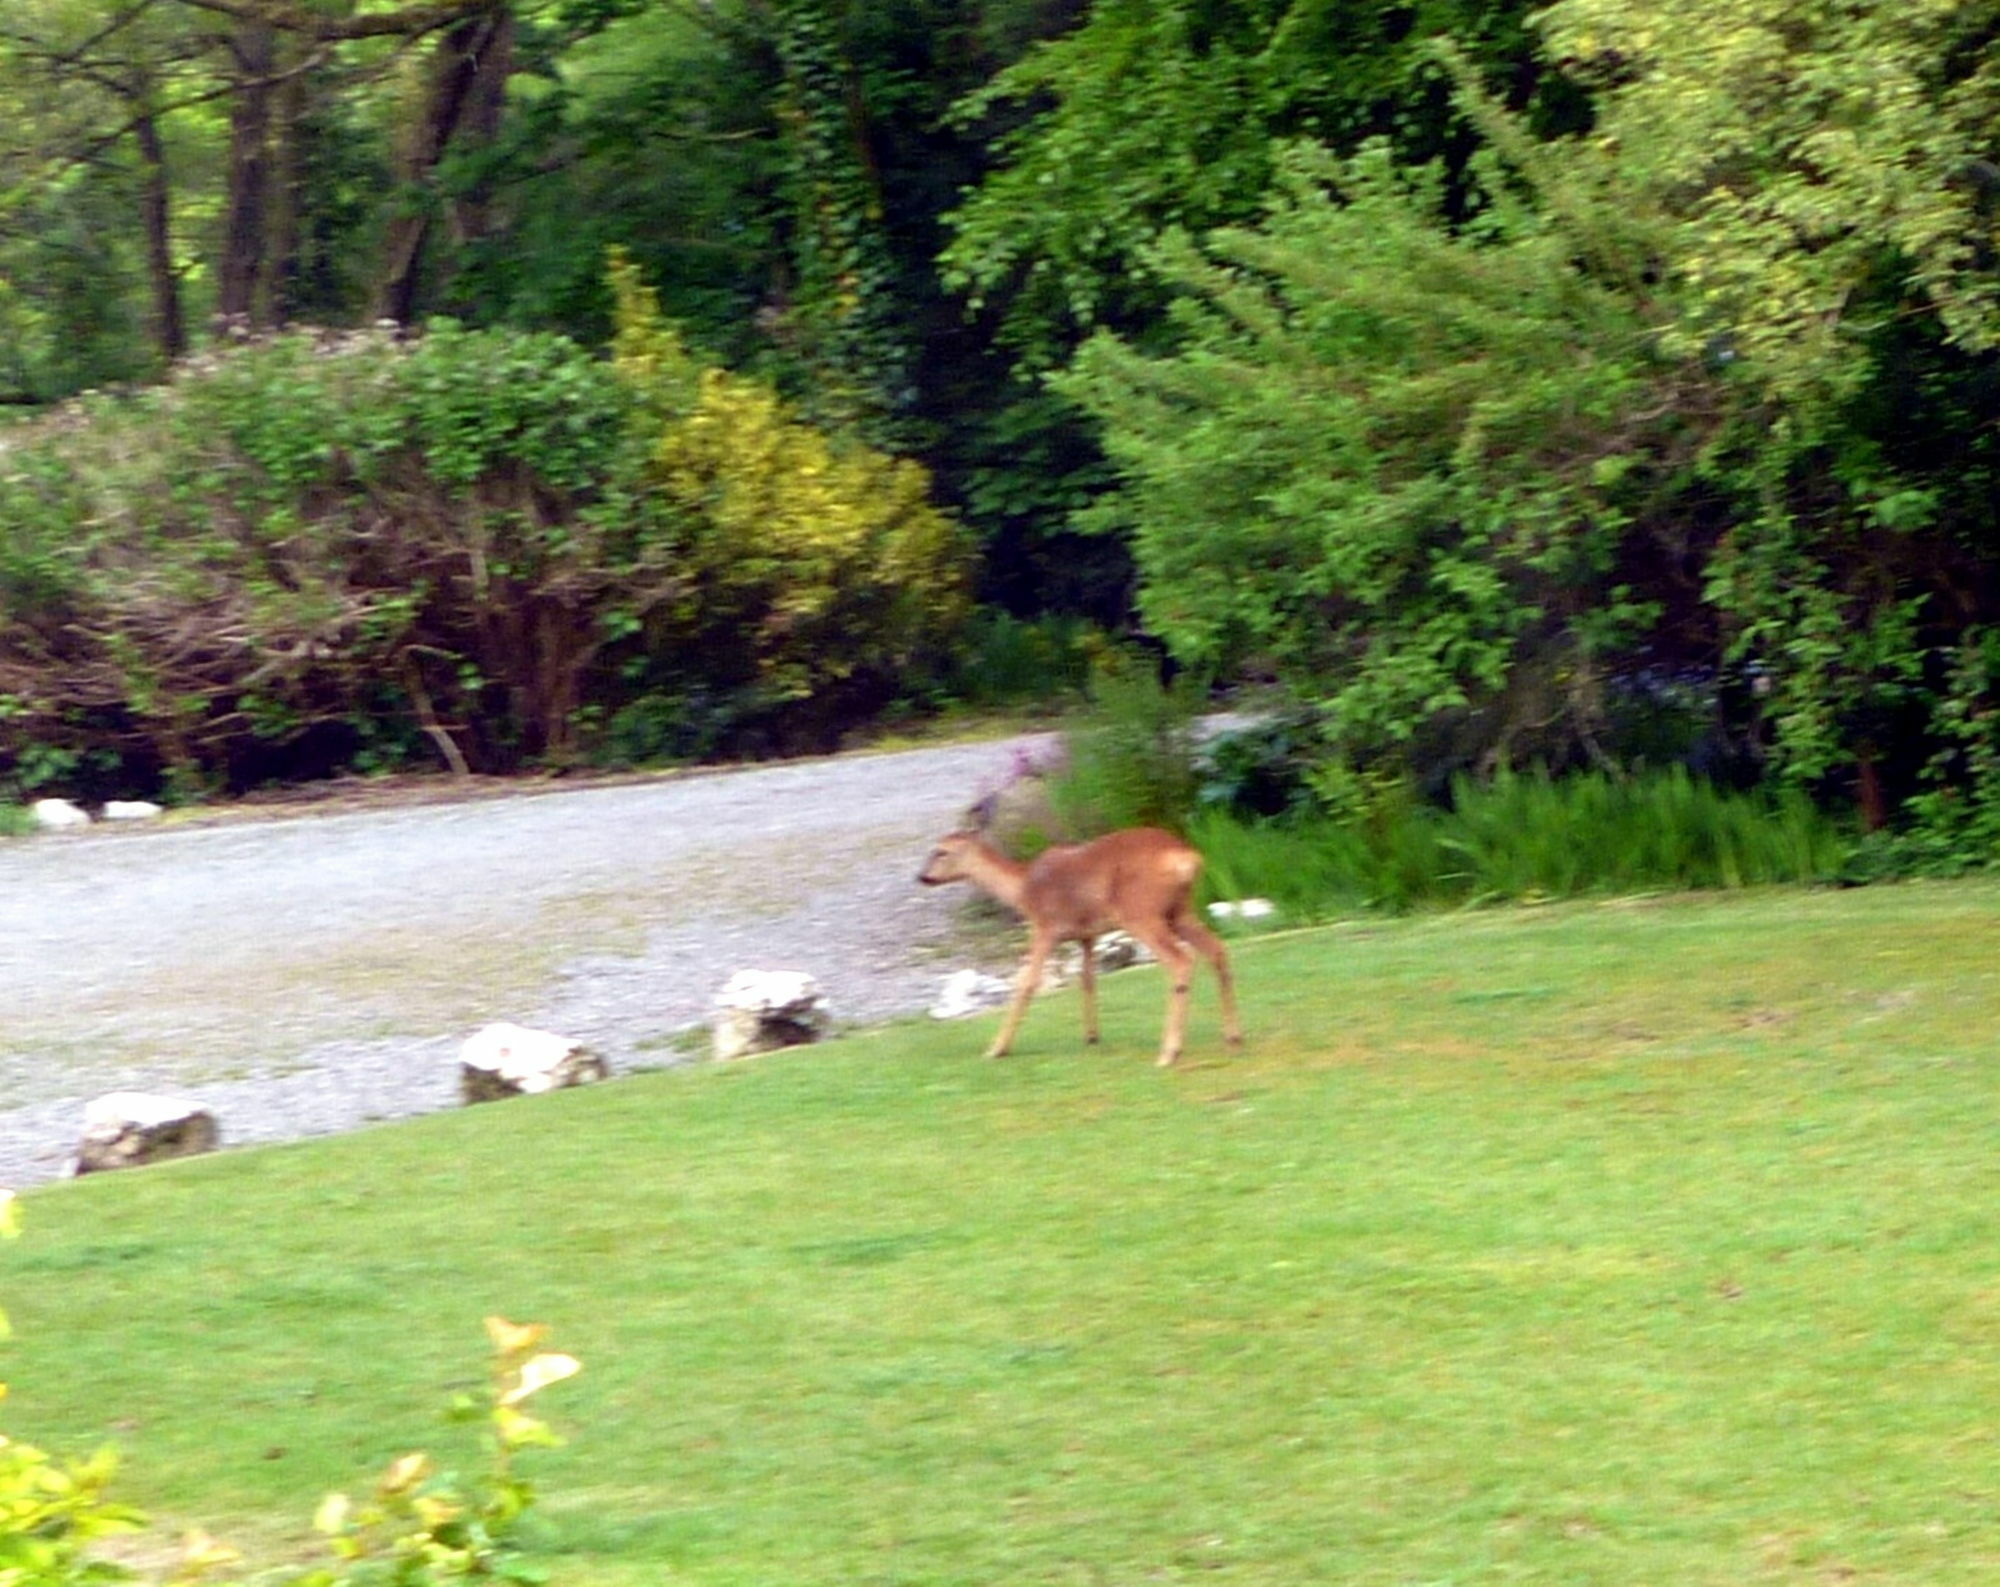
[100, 87]
[1155, 115]
[1824, 204]
[655, 134]
[1467, 456]
[1146, 117]
[1802, 153]
[1391, 459]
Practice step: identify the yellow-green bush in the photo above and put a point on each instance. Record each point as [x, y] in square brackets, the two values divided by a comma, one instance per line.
[821, 564]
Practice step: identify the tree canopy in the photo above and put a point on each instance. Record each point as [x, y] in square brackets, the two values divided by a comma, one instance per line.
[1502, 380]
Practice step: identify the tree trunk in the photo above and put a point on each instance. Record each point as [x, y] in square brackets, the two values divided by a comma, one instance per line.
[244, 238]
[156, 210]
[485, 105]
[1869, 794]
[273, 303]
[467, 80]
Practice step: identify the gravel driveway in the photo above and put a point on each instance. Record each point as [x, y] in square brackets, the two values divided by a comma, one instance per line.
[310, 974]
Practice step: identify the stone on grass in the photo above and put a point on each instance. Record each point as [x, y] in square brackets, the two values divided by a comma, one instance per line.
[1242, 909]
[967, 992]
[57, 815]
[1115, 950]
[128, 1129]
[504, 1060]
[763, 1010]
[1119, 950]
[130, 810]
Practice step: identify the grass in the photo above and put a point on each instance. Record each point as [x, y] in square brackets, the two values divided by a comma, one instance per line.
[1641, 1242]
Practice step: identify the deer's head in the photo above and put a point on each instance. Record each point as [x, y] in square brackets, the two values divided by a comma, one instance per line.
[950, 860]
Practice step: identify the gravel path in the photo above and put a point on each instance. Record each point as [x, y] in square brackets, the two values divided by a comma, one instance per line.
[310, 974]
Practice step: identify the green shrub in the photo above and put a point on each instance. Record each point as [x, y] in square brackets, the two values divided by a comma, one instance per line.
[308, 536]
[1008, 660]
[1266, 767]
[817, 570]
[313, 553]
[1955, 819]
[663, 727]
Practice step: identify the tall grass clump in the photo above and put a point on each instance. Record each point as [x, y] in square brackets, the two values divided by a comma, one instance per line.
[1134, 760]
[1521, 836]
[1527, 834]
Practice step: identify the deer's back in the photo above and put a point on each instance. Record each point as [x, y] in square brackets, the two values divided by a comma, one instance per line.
[1086, 889]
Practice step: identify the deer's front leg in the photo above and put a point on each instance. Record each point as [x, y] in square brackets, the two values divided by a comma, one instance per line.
[1024, 988]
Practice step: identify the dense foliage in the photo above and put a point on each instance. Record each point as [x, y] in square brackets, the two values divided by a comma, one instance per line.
[1380, 460]
[313, 553]
[1526, 460]
[1510, 384]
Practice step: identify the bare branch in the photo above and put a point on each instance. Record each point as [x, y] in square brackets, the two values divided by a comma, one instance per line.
[38, 48]
[411, 22]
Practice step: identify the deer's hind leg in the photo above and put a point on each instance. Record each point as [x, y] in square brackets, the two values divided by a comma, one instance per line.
[1206, 943]
[1178, 964]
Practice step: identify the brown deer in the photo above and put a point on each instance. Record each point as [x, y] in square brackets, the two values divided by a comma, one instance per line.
[1140, 880]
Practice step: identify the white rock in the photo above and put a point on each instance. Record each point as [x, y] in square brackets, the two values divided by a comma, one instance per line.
[968, 992]
[1222, 909]
[130, 810]
[56, 815]
[127, 1129]
[503, 1060]
[1115, 950]
[763, 1010]
[1257, 908]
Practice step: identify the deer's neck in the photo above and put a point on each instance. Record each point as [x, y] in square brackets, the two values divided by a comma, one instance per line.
[987, 868]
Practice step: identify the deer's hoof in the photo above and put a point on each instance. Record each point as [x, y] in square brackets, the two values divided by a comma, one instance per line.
[996, 1052]
[1166, 1059]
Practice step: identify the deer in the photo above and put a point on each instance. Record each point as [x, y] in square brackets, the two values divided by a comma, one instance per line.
[1140, 880]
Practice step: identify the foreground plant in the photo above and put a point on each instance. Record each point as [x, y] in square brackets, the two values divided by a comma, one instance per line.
[52, 1510]
[417, 1527]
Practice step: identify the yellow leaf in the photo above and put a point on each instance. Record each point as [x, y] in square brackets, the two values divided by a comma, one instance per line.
[332, 1514]
[516, 1430]
[406, 1472]
[538, 1374]
[511, 1339]
[202, 1551]
[433, 1512]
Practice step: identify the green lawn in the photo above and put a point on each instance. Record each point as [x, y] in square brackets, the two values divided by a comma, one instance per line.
[1654, 1242]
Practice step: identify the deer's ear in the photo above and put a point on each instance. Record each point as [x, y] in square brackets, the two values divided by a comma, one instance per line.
[979, 815]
